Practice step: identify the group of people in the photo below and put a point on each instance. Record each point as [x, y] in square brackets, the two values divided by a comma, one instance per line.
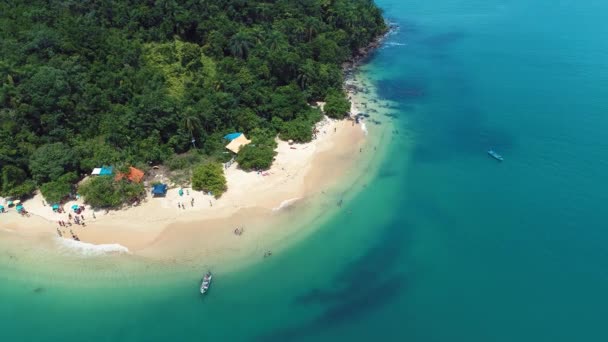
[239, 231]
[181, 205]
[77, 218]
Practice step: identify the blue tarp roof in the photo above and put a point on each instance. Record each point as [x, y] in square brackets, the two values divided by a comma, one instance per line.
[106, 171]
[159, 189]
[232, 136]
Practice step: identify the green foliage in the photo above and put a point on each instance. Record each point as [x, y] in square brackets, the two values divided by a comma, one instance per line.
[260, 154]
[105, 192]
[59, 189]
[300, 129]
[84, 84]
[15, 182]
[50, 161]
[336, 105]
[209, 177]
[183, 161]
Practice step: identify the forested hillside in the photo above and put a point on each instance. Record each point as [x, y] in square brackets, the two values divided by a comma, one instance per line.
[85, 83]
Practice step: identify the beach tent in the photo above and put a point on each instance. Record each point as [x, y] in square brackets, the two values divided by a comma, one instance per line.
[236, 144]
[159, 189]
[135, 175]
[96, 171]
[232, 136]
[106, 171]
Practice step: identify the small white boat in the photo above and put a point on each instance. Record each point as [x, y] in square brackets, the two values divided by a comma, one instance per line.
[495, 155]
[206, 283]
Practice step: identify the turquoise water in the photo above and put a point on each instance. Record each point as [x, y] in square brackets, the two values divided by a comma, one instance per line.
[444, 244]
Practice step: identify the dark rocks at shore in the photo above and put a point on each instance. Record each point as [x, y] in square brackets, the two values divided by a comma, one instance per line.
[364, 52]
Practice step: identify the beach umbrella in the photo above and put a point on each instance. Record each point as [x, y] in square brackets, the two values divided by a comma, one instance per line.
[1, 208]
[55, 206]
[10, 203]
[75, 207]
[19, 207]
[181, 192]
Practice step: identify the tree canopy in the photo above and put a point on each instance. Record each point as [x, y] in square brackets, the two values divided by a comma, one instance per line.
[105, 192]
[90, 83]
[209, 177]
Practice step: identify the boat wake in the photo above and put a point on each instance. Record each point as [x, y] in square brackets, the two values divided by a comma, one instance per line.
[394, 44]
[286, 203]
[89, 249]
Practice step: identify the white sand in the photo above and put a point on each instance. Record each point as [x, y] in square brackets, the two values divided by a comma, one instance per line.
[137, 228]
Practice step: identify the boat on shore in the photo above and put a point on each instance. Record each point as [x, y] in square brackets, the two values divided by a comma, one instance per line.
[495, 155]
[206, 282]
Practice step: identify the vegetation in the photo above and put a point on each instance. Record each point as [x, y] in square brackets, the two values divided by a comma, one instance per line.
[209, 177]
[105, 192]
[57, 190]
[260, 153]
[336, 104]
[90, 83]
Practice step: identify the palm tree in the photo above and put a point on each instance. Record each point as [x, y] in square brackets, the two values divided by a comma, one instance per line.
[240, 44]
[305, 74]
[192, 124]
[275, 40]
[312, 28]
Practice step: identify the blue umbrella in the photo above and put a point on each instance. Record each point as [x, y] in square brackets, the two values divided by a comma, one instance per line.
[181, 192]
[75, 207]
[19, 207]
[55, 206]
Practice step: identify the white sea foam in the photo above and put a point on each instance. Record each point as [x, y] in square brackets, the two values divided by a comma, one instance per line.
[363, 128]
[395, 44]
[89, 249]
[286, 203]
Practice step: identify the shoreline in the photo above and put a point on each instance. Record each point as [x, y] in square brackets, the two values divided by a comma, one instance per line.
[301, 187]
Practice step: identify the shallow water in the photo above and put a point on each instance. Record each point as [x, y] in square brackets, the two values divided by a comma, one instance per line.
[444, 243]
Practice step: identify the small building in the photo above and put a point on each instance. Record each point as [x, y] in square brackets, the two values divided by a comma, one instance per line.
[236, 144]
[102, 171]
[134, 175]
[159, 190]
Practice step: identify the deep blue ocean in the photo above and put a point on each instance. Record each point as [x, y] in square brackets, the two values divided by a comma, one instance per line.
[445, 243]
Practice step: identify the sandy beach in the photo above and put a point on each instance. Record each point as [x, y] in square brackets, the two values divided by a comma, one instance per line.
[299, 171]
[306, 182]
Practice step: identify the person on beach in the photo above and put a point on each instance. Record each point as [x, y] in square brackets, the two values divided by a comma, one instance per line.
[94, 215]
[192, 202]
[210, 204]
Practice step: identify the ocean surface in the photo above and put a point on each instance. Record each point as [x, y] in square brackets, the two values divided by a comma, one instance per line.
[443, 243]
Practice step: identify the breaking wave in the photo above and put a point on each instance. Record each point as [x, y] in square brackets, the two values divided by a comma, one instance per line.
[89, 249]
[286, 203]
